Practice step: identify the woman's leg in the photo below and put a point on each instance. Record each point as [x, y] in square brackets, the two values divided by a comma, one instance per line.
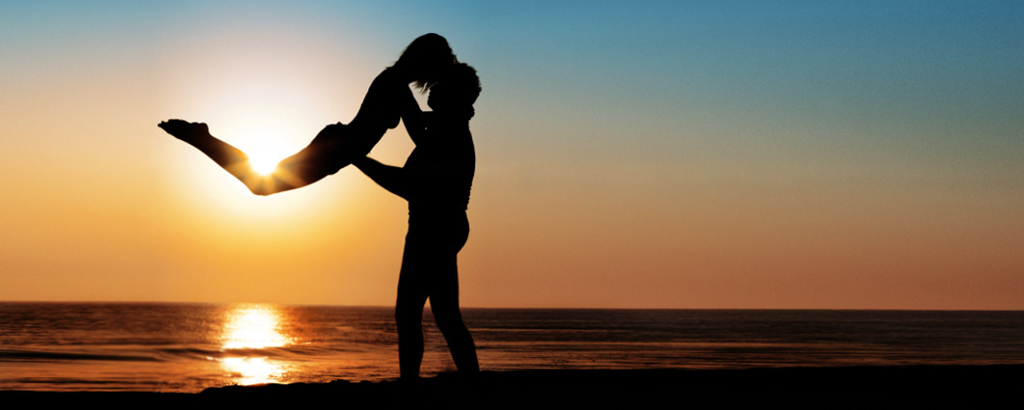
[331, 150]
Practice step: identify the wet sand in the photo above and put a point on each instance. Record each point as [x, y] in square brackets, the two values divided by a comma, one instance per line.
[842, 387]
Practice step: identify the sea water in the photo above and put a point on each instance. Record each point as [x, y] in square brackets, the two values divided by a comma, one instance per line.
[174, 347]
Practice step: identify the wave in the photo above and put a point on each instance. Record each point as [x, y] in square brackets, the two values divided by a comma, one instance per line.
[37, 355]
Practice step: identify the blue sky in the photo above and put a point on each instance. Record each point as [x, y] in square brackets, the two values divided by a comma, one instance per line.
[842, 154]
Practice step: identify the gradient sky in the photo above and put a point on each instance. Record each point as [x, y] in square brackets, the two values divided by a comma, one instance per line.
[665, 154]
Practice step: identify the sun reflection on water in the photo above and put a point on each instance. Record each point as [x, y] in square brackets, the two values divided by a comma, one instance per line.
[252, 370]
[251, 327]
[254, 327]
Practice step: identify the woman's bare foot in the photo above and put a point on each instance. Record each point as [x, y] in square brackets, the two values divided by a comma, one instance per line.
[189, 132]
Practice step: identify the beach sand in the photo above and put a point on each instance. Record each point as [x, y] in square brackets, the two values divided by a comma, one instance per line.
[841, 387]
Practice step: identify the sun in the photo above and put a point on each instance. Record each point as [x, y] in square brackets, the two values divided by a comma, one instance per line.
[263, 160]
[264, 148]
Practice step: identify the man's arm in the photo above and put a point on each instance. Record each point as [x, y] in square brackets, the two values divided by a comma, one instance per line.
[393, 179]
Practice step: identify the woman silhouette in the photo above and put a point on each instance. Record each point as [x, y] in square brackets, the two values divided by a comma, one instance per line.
[388, 98]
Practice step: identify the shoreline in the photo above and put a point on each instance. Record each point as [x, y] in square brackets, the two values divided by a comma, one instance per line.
[828, 387]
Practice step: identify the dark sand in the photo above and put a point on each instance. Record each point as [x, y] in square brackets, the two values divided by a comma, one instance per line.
[843, 387]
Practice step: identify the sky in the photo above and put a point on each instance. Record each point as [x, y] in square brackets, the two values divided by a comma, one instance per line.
[655, 154]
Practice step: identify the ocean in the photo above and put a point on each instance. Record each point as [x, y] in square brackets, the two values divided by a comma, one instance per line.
[179, 347]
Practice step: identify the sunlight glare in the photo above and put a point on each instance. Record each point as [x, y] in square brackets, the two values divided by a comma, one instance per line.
[267, 92]
[264, 146]
[253, 370]
[253, 326]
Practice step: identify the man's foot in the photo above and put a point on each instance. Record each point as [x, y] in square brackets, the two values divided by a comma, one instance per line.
[184, 130]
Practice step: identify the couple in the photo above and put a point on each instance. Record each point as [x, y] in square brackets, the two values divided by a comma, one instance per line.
[436, 181]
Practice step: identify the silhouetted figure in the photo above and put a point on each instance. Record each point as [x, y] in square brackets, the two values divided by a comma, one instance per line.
[336, 145]
[436, 180]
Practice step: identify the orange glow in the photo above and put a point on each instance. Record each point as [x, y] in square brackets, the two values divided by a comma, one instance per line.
[253, 370]
[263, 149]
[253, 326]
[701, 188]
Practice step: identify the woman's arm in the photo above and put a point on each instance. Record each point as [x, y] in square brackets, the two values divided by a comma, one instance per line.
[413, 117]
[393, 179]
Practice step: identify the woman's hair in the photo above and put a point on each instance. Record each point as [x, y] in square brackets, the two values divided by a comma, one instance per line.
[427, 57]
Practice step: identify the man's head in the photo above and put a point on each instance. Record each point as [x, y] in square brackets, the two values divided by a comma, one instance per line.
[457, 89]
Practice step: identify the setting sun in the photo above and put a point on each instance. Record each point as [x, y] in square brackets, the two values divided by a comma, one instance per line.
[265, 147]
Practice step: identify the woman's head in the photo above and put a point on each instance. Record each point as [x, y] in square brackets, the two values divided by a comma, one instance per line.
[426, 58]
[457, 90]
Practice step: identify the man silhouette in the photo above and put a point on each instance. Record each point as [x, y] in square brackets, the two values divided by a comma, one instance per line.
[436, 180]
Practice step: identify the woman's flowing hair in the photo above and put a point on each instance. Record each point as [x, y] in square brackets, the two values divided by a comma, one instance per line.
[428, 56]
